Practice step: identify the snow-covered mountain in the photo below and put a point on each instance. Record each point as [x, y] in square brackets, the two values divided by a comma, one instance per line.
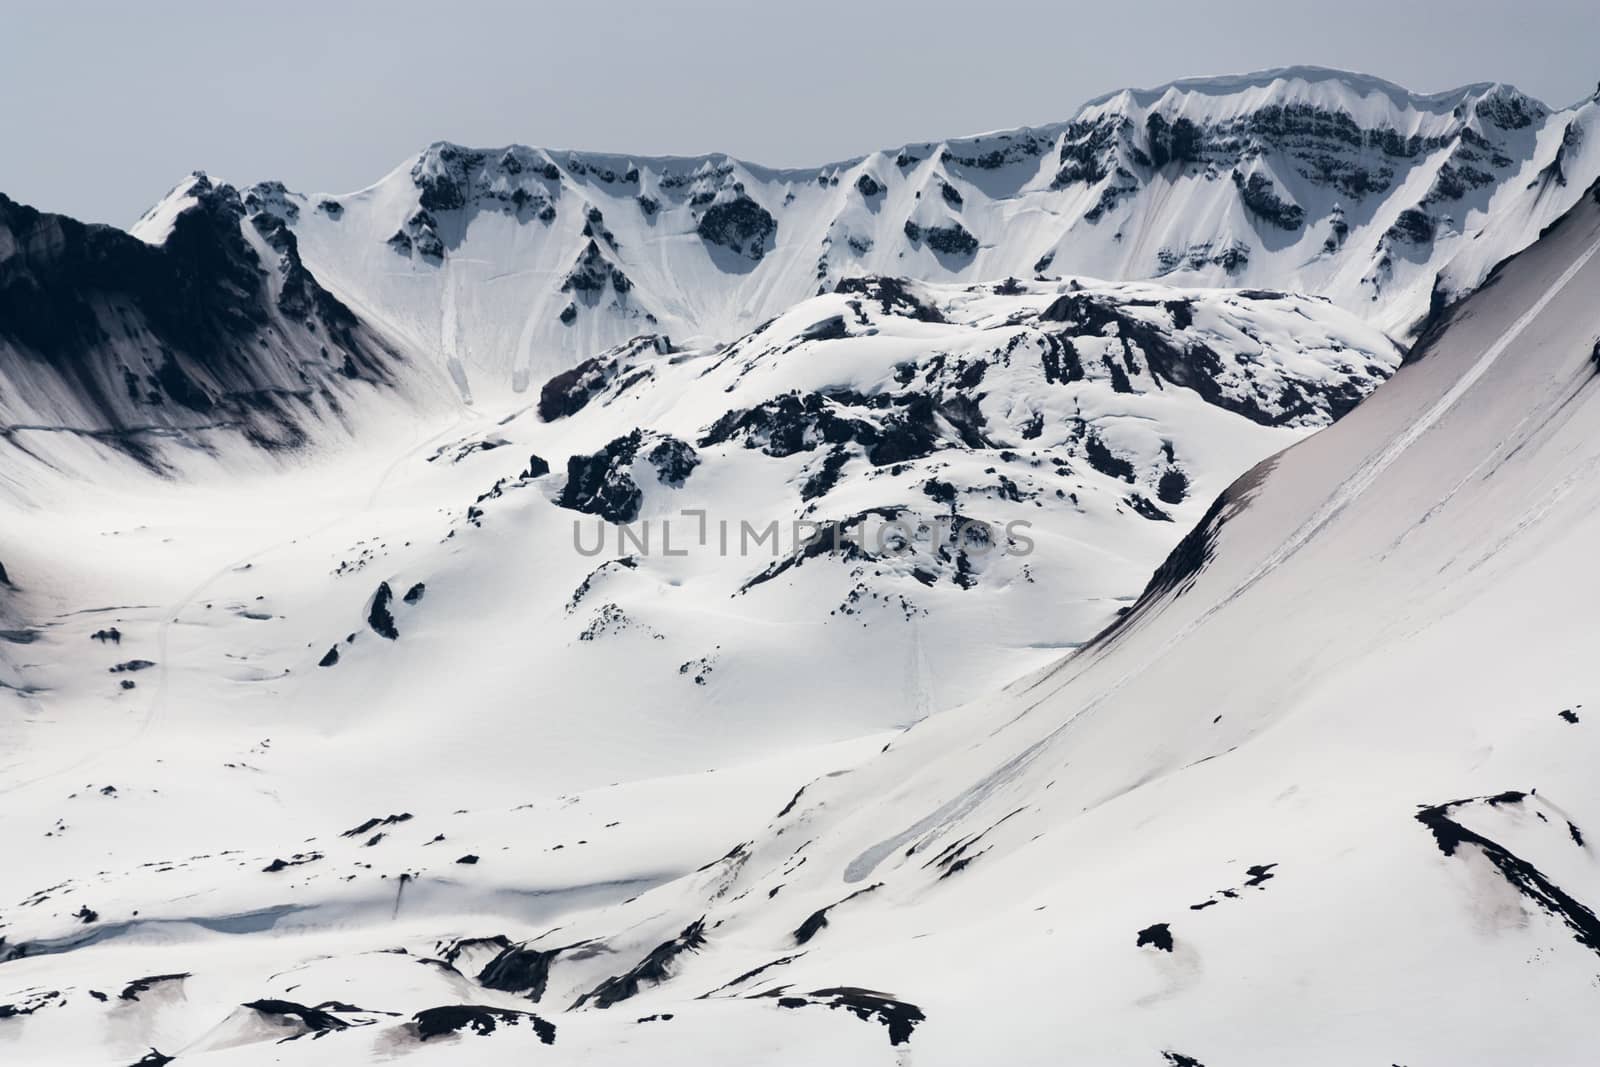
[216, 331]
[1332, 764]
[514, 263]
[621, 610]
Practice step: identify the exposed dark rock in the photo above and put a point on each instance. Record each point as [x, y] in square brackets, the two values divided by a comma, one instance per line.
[31, 1002]
[1260, 195]
[829, 329]
[520, 969]
[899, 1017]
[1174, 142]
[951, 239]
[1259, 873]
[316, 1020]
[1145, 509]
[591, 271]
[895, 296]
[379, 617]
[1173, 487]
[740, 225]
[1414, 226]
[1521, 875]
[1178, 571]
[1158, 936]
[415, 593]
[133, 989]
[827, 475]
[329, 658]
[1104, 460]
[602, 484]
[375, 822]
[481, 1020]
[181, 334]
[568, 392]
[654, 969]
[818, 919]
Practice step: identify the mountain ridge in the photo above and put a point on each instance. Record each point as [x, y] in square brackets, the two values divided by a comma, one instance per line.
[514, 263]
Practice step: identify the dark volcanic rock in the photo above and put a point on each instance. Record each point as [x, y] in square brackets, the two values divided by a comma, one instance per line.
[898, 1016]
[1261, 197]
[143, 985]
[895, 296]
[316, 1020]
[187, 333]
[740, 225]
[1158, 936]
[602, 484]
[481, 1020]
[951, 239]
[654, 969]
[379, 617]
[519, 969]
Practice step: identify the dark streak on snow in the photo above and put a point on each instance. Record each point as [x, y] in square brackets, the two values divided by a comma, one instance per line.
[655, 968]
[1523, 876]
[819, 918]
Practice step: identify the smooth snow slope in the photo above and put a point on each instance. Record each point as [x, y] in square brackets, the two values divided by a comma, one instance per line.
[1325, 795]
[511, 264]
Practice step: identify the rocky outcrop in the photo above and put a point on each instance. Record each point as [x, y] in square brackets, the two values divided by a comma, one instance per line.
[740, 225]
[603, 483]
[109, 335]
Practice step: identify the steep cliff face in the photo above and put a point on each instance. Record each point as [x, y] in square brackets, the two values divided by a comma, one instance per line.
[518, 262]
[218, 328]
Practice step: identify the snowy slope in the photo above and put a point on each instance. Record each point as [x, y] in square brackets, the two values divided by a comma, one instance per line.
[511, 264]
[408, 628]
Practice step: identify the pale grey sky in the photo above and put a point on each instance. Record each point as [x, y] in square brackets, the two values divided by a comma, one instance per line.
[106, 105]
